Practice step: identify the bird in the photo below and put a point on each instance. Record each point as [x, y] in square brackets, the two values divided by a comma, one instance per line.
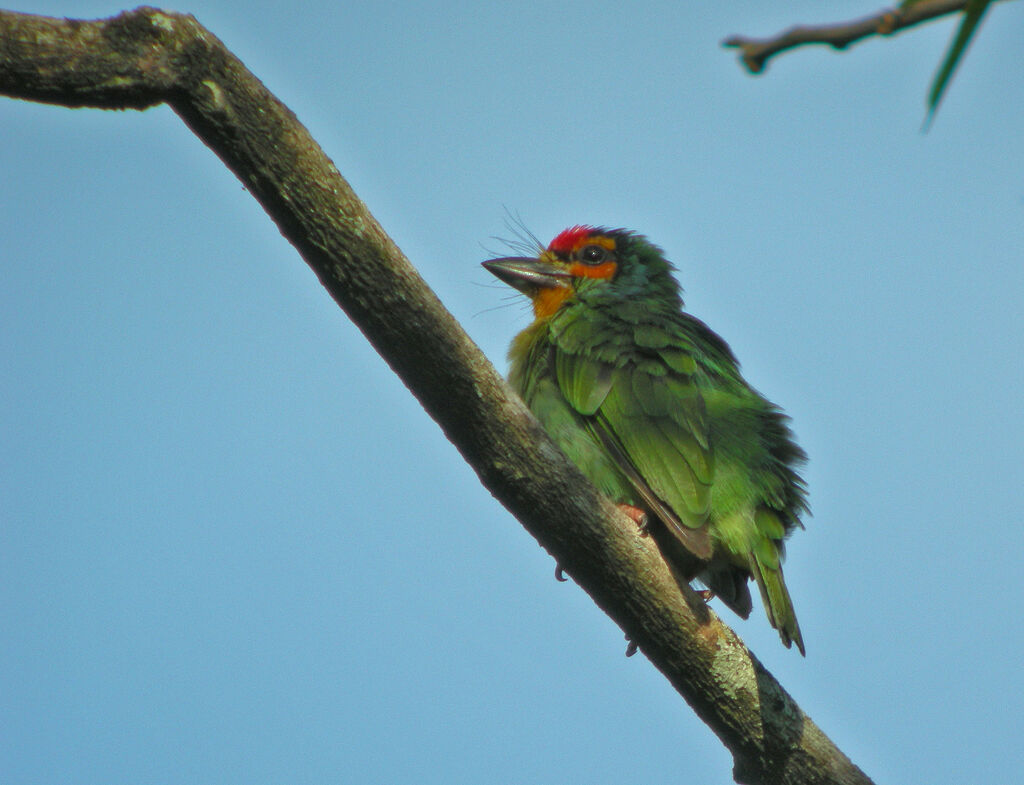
[650, 405]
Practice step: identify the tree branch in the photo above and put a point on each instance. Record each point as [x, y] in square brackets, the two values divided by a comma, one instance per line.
[146, 57]
[756, 52]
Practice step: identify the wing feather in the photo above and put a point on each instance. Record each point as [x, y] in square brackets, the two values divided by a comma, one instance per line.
[650, 418]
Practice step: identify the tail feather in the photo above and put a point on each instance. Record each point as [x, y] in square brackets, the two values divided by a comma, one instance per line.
[777, 603]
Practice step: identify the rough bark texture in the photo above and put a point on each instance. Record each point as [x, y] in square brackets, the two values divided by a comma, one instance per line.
[146, 57]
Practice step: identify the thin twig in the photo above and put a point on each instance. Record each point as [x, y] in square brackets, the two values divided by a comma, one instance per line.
[756, 52]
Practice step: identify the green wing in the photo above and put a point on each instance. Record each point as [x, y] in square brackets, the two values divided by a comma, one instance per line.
[649, 416]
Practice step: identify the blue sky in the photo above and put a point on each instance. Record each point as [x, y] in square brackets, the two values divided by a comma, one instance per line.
[234, 549]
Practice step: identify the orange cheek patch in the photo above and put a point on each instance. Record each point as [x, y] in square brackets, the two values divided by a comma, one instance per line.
[603, 270]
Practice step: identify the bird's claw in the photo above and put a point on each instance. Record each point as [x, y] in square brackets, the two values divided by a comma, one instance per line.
[644, 525]
[559, 575]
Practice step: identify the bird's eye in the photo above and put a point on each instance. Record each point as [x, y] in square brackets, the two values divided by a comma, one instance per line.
[593, 254]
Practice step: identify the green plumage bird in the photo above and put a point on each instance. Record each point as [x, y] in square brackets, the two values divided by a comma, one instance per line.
[651, 405]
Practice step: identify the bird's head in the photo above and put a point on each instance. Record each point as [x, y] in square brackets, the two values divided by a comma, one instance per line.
[591, 264]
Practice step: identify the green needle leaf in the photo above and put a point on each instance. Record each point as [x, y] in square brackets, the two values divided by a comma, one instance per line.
[973, 11]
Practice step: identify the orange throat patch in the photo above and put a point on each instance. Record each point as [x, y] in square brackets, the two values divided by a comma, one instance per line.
[549, 300]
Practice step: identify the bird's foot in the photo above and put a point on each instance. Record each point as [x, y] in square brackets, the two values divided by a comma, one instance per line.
[638, 516]
[706, 594]
[559, 575]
